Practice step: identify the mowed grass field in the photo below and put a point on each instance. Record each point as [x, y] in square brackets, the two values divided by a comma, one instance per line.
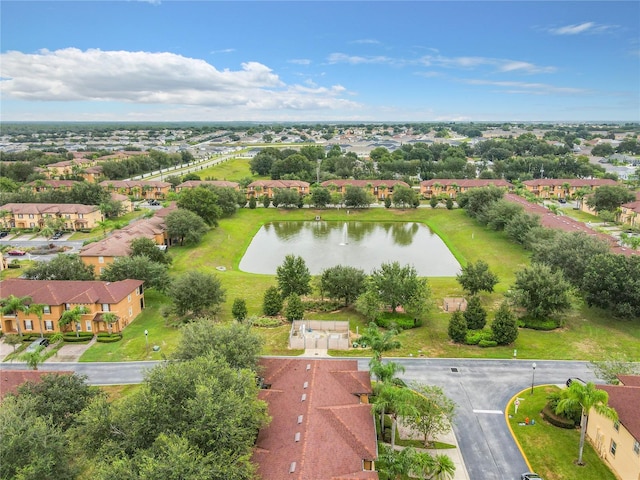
[587, 333]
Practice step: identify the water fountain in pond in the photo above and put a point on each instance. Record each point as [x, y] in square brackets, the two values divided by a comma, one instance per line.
[344, 236]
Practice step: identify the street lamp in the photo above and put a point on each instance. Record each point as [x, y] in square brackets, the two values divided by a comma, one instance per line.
[146, 340]
[533, 376]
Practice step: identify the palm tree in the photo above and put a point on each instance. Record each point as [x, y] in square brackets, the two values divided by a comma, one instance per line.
[398, 401]
[109, 318]
[386, 372]
[378, 341]
[12, 305]
[440, 467]
[38, 310]
[587, 397]
[73, 316]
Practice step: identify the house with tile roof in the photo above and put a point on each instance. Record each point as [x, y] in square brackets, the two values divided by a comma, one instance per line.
[138, 189]
[214, 183]
[630, 212]
[34, 215]
[618, 442]
[379, 189]
[322, 426]
[452, 186]
[47, 185]
[564, 187]
[117, 244]
[268, 187]
[125, 299]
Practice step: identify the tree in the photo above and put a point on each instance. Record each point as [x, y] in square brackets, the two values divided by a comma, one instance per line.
[38, 310]
[153, 274]
[33, 358]
[73, 316]
[379, 342]
[146, 247]
[457, 327]
[239, 309]
[386, 372]
[11, 305]
[293, 276]
[541, 291]
[403, 196]
[434, 412]
[343, 282]
[236, 343]
[13, 340]
[520, 225]
[202, 201]
[611, 281]
[475, 314]
[602, 150]
[477, 200]
[285, 197]
[433, 201]
[109, 319]
[229, 199]
[588, 397]
[398, 401]
[396, 285]
[252, 203]
[569, 253]
[477, 277]
[294, 309]
[272, 302]
[356, 197]
[320, 197]
[504, 325]
[369, 305]
[185, 225]
[196, 292]
[61, 267]
[609, 198]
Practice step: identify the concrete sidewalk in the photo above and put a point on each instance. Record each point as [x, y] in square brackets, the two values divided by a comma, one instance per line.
[71, 352]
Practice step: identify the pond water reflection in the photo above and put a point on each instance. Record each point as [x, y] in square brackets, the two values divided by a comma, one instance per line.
[364, 245]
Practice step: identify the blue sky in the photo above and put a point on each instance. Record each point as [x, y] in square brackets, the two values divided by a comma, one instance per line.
[320, 61]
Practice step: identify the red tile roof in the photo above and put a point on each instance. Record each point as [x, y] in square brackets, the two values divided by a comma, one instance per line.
[630, 380]
[54, 183]
[364, 183]
[572, 182]
[58, 292]
[625, 400]
[467, 183]
[10, 380]
[49, 208]
[335, 431]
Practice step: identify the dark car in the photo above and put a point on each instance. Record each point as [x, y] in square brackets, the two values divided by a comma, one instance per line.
[562, 200]
[57, 235]
[575, 379]
[155, 203]
[16, 253]
[3, 234]
[530, 476]
[36, 344]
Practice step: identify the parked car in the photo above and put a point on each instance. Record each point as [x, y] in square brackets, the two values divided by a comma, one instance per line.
[575, 379]
[3, 234]
[16, 252]
[155, 203]
[57, 235]
[530, 476]
[562, 200]
[40, 342]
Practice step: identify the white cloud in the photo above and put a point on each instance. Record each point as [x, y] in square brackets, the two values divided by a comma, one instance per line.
[154, 78]
[224, 50]
[529, 88]
[367, 41]
[586, 27]
[359, 60]
[300, 61]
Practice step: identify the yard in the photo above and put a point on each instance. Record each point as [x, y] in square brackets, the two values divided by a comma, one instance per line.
[582, 336]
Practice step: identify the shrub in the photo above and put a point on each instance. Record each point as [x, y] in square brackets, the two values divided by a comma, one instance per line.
[266, 322]
[73, 339]
[546, 324]
[322, 305]
[457, 327]
[504, 326]
[475, 337]
[399, 321]
[294, 310]
[475, 314]
[239, 309]
[272, 301]
[487, 343]
[556, 420]
[106, 338]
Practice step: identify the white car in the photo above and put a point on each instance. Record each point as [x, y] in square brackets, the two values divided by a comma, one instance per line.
[530, 476]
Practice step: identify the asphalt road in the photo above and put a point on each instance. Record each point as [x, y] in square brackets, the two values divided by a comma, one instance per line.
[480, 388]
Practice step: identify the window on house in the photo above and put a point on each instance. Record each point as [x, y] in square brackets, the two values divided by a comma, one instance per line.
[48, 325]
[67, 306]
[81, 215]
[636, 447]
[31, 215]
[28, 324]
[87, 324]
[100, 259]
[616, 426]
[32, 224]
[105, 307]
[129, 297]
[46, 309]
[101, 270]
[614, 445]
[130, 311]
[19, 215]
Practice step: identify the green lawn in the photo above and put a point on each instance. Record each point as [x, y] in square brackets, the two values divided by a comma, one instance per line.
[233, 169]
[551, 451]
[581, 338]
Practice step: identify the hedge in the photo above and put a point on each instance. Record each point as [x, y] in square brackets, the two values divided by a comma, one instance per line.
[266, 322]
[545, 325]
[556, 420]
[401, 322]
[487, 343]
[474, 337]
[106, 338]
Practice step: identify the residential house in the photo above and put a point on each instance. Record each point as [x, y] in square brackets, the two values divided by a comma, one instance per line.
[125, 299]
[618, 442]
[38, 186]
[380, 189]
[269, 187]
[138, 189]
[68, 167]
[127, 204]
[322, 425]
[35, 215]
[118, 244]
[452, 186]
[564, 187]
[214, 183]
[630, 212]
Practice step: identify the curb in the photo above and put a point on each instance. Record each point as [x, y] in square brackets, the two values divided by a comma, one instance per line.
[506, 419]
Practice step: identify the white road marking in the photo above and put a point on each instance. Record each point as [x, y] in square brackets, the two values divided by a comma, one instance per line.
[493, 412]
